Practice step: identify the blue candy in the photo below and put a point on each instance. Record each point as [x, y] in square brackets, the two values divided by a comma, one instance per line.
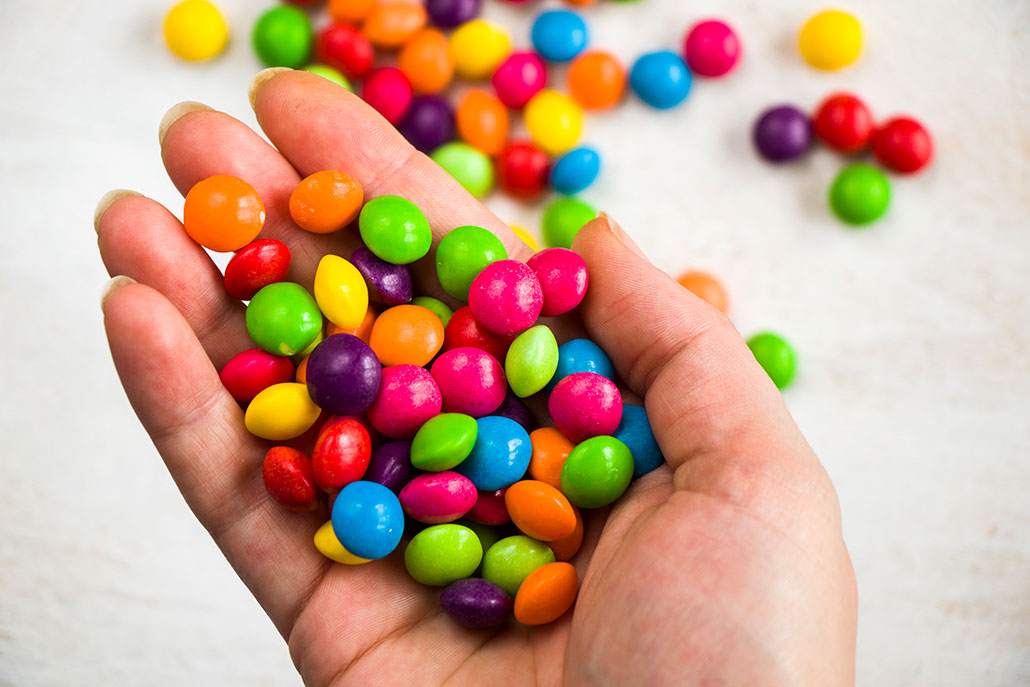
[661, 79]
[368, 519]
[581, 355]
[500, 456]
[575, 170]
[635, 431]
[559, 35]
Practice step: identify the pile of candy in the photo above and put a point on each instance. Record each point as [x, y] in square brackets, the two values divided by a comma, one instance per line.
[407, 417]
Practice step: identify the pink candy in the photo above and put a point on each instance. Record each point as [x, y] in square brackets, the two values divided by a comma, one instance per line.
[563, 278]
[490, 508]
[438, 497]
[506, 297]
[470, 380]
[408, 396]
[252, 371]
[519, 78]
[389, 91]
[711, 48]
[585, 405]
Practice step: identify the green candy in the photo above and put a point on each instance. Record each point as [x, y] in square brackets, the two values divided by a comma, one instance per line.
[442, 554]
[775, 356]
[462, 254]
[443, 442]
[563, 219]
[283, 318]
[334, 75]
[470, 167]
[395, 229]
[597, 472]
[508, 562]
[487, 537]
[860, 194]
[531, 361]
[438, 307]
[283, 37]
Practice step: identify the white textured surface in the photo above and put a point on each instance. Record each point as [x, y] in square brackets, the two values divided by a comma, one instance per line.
[914, 335]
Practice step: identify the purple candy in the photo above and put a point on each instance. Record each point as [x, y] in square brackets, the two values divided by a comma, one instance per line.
[476, 603]
[343, 375]
[388, 284]
[450, 13]
[429, 123]
[782, 133]
[514, 409]
[391, 465]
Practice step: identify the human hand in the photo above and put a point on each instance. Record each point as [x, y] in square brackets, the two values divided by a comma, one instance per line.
[726, 566]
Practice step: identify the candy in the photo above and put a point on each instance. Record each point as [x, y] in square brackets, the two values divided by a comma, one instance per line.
[488, 535]
[436, 306]
[443, 442]
[450, 13]
[707, 288]
[195, 30]
[282, 37]
[345, 48]
[223, 213]
[281, 412]
[514, 409]
[564, 549]
[438, 497]
[249, 372]
[508, 562]
[462, 254]
[563, 219]
[395, 229]
[843, 123]
[482, 121]
[585, 405]
[554, 121]
[559, 35]
[470, 380]
[711, 48]
[340, 291]
[408, 397]
[500, 456]
[363, 331]
[596, 80]
[470, 167]
[343, 375]
[367, 519]
[390, 465]
[521, 76]
[523, 169]
[331, 73]
[258, 264]
[523, 234]
[326, 201]
[775, 356]
[539, 510]
[464, 330]
[389, 92]
[782, 133]
[341, 455]
[427, 62]
[391, 24]
[476, 603]
[289, 479]
[442, 554]
[489, 508]
[582, 355]
[429, 123]
[350, 11]
[903, 145]
[531, 361]
[575, 170]
[563, 278]
[478, 47]
[550, 449]
[830, 40]
[635, 431]
[406, 335]
[283, 318]
[330, 547]
[388, 284]
[661, 79]
[546, 594]
[506, 297]
[597, 472]
[860, 194]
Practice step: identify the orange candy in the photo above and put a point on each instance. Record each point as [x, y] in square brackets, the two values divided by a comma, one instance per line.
[482, 121]
[350, 11]
[427, 62]
[546, 594]
[550, 449]
[707, 288]
[406, 335]
[596, 80]
[223, 213]
[564, 549]
[390, 24]
[301, 376]
[326, 201]
[363, 331]
[539, 510]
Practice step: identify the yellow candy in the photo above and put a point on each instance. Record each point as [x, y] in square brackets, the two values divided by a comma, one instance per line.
[555, 121]
[526, 237]
[330, 547]
[478, 47]
[195, 30]
[341, 292]
[830, 40]
[280, 412]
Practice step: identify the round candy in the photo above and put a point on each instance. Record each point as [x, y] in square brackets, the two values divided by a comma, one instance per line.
[289, 480]
[521, 76]
[249, 372]
[575, 170]
[506, 297]
[332, 74]
[775, 356]
[340, 291]
[539, 510]
[442, 554]
[476, 603]
[500, 456]
[490, 508]
[330, 547]
[282, 37]
[843, 123]
[903, 145]
[554, 121]
[465, 330]
[470, 380]
[391, 24]
[482, 121]
[559, 35]
[408, 397]
[711, 48]
[462, 254]
[367, 519]
[514, 409]
[582, 355]
[508, 562]
[223, 213]
[782, 133]
[567, 547]
[341, 455]
[391, 466]
[563, 277]
[281, 412]
[550, 449]
[426, 61]
[438, 497]
[531, 361]
[585, 405]
[707, 288]
[429, 123]
[443, 442]
[597, 472]
[343, 375]
[195, 30]
[470, 167]
[363, 331]
[478, 47]
[350, 11]
[830, 40]
[283, 318]
[546, 594]
[345, 48]
[563, 219]
[406, 335]
[522, 169]
[256, 265]
[438, 308]
[388, 284]
[388, 91]
[450, 13]
[326, 201]
[395, 229]
[635, 431]
[860, 194]
[596, 80]
[661, 79]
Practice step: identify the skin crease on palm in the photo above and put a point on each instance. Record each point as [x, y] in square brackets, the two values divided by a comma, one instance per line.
[725, 567]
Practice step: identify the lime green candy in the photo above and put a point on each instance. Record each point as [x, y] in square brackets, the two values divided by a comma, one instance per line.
[860, 194]
[438, 307]
[442, 554]
[508, 562]
[563, 219]
[334, 75]
[531, 361]
[470, 167]
[462, 254]
[597, 472]
[395, 229]
[283, 318]
[283, 37]
[775, 356]
[487, 537]
[443, 442]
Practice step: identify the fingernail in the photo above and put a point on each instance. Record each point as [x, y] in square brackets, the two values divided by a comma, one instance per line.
[106, 201]
[113, 285]
[619, 233]
[175, 114]
[260, 79]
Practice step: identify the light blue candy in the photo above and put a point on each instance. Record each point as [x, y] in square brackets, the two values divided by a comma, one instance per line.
[581, 355]
[575, 170]
[559, 35]
[501, 454]
[368, 519]
[661, 79]
[635, 431]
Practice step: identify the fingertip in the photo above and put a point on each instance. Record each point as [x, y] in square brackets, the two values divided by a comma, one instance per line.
[260, 79]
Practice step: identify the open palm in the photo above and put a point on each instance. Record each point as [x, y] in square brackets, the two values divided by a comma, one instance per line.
[725, 567]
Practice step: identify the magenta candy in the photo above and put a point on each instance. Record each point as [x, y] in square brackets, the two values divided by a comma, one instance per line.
[489, 508]
[506, 297]
[388, 284]
[519, 78]
[252, 371]
[585, 405]
[391, 466]
[438, 497]
[563, 277]
[711, 48]
[471, 381]
[408, 396]
[389, 91]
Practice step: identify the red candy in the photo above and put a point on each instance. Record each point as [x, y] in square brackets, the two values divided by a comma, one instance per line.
[523, 169]
[903, 144]
[470, 380]
[563, 277]
[289, 479]
[249, 373]
[408, 396]
[490, 508]
[258, 264]
[585, 405]
[345, 48]
[843, 123]
[341, 454]
[389, 91]
[465, 330]
[506, 297]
